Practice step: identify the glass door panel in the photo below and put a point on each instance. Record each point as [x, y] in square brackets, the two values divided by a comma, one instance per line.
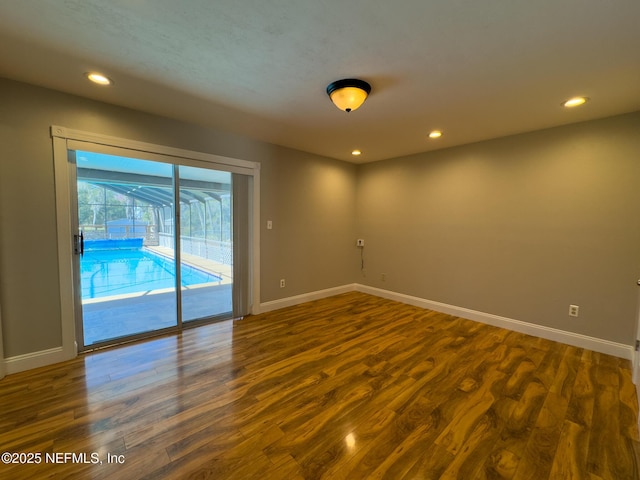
[127, 247]
[206, 243]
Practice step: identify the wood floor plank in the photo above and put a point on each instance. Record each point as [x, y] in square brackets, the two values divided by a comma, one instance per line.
[349, 387]
[537, 460]
[570, 461]
[628, 405]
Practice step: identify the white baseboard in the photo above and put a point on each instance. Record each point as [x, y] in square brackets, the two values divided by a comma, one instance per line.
[20, 363]
[305, 297]
[575, 339]
[42, 358]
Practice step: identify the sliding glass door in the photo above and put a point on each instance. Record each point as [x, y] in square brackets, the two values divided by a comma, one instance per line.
[154, 246]
[206, 244]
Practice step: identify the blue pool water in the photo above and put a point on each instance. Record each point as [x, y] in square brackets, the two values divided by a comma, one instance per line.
[120, 271]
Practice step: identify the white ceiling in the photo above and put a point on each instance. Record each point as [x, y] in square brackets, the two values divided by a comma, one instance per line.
[476, 69]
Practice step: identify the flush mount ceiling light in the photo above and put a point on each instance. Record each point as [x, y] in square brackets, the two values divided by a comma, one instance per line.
[356, 152]
[348, 94]
[99, 78]
[575, 102]
[435, 134]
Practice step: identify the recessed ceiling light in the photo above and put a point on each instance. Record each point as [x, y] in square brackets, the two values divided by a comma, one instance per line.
[355, 153]
[575, 102]
[99, 78]
[435, 134]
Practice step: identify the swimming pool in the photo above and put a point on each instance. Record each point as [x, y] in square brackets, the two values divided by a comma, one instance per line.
[121, 271]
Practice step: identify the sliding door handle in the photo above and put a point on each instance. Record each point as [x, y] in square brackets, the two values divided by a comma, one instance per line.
[78, 244]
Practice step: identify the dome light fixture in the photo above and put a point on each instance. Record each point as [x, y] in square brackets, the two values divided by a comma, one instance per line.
[348, 94]
[356, 152]
[99, 78]
[435, 134]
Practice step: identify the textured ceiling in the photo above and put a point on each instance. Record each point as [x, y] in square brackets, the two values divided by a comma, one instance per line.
[474, 69]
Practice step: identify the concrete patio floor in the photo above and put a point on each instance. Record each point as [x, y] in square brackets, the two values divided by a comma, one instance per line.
[119, 317]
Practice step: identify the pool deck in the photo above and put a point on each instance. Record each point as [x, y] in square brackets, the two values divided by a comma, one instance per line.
[210, 266]
[117, 316]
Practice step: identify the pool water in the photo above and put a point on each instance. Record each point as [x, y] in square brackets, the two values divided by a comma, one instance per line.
[121, 271]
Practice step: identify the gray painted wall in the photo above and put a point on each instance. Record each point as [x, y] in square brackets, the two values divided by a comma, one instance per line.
[519, 227]
[310, 199]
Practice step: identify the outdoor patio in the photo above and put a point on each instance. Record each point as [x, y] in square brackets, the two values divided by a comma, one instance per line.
[115, 317]
[149, 311]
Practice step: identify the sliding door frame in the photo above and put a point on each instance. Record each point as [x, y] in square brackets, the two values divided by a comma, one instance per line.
[65, 139]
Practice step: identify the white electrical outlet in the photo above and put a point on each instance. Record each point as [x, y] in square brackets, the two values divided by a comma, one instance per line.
[282, 283]
[573, 310]
[269, 225]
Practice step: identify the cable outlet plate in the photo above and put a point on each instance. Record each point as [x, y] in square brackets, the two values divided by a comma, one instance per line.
[360, 242]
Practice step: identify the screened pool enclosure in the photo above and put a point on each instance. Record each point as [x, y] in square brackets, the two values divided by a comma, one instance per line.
[114, 211]
[133, 216]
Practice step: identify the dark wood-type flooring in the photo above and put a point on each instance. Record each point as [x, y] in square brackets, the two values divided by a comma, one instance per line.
[348, 387]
